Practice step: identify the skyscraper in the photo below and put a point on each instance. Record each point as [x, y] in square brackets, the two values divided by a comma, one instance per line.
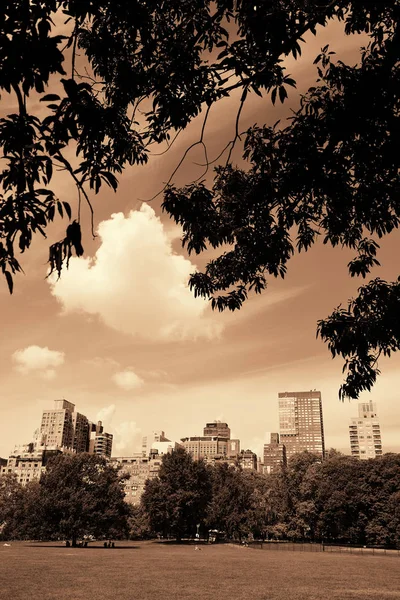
[63, 428]
[301, 423]
[100, 441]
[81, 432]
[57, 426]
[365, 432]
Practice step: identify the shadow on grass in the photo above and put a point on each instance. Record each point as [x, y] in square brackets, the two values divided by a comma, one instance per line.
[62, 547]
[181, 543]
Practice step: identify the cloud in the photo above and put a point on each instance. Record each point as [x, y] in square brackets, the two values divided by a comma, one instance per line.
[126, 434]
[127, 380]
[35, 359]
[106, 415]
[135, 282]
[127, 438]
[101, 362]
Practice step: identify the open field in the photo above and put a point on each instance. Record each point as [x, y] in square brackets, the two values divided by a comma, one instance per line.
[153, 571]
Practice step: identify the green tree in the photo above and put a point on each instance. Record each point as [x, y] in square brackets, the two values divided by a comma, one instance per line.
[176, 500]
[81, 495]
[332, 172]
[139, 527]
[231, 501]
[11, 493]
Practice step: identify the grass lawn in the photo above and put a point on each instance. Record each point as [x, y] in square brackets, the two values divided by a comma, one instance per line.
[146, 570]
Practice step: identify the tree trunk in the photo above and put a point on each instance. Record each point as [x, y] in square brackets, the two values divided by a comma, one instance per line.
[73, 544]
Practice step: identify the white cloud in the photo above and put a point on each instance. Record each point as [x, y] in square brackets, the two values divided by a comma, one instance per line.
[126, 434]
[106, 415]
[127, 438]
[127, 380]
[35, 359]
[135, 283]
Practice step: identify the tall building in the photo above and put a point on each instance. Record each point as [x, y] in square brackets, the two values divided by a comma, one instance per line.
[62, 430]
[274, 455]
[81, 427]
[301, 423]
[62, 427]
[100, 441]
[365, 432]
[57, 426]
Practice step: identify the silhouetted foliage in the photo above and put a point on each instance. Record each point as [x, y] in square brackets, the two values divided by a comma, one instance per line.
[146, 69]
[139, 527]
[81, 495]
[10, 502]
[338, 500]
[176, 500]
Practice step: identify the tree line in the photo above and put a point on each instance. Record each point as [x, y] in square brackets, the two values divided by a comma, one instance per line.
[338, 500]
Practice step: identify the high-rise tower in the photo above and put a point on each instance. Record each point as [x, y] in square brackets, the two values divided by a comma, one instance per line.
[301, 423]
[57, 426]
[365, 432]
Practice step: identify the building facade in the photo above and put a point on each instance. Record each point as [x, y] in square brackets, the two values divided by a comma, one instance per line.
[137, 468]
[140, 468]
[102, 445]
[247, 460]
[301, 422]
[215, 445]
[205, 446]
[100, 442]
[217, 429]
[149, 440]
[82, 426]
[62, 430]
[57, 426]
[28, 462]
[365, 432]
[274, 455]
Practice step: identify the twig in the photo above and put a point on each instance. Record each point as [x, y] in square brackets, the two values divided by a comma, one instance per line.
[79, 205]
[200, 141]
[237, 134]
[169, 146]
[75, 35]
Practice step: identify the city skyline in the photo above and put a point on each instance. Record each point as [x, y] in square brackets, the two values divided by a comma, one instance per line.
[121, 335]
[142, 444]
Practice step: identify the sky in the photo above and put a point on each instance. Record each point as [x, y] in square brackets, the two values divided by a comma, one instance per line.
[121, 336]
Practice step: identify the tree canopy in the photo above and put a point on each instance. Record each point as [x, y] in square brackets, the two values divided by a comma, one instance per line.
[81, 495]
[146, 69]
[338, 500]
[176, 500]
